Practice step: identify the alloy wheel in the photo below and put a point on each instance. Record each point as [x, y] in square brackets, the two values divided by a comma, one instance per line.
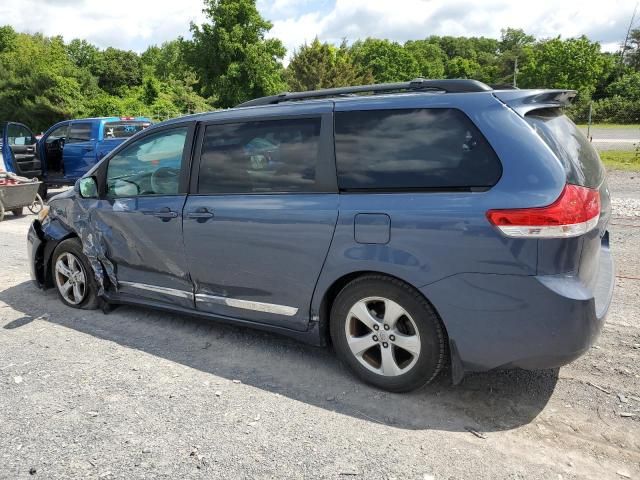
[70, 277]
[382, 336]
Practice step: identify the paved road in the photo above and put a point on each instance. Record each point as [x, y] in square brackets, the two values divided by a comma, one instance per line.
[614, 138]
[143, 394]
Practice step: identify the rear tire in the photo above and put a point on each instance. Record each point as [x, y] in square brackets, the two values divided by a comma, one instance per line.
[387, 333]
[73, 276]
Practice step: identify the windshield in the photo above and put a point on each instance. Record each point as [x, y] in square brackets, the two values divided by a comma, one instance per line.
[123, 129]
[571, 146]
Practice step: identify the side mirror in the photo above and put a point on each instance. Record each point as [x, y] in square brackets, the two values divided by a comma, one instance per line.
[87, 187]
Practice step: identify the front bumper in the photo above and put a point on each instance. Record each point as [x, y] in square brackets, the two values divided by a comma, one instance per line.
[35, 248]
[531, 322]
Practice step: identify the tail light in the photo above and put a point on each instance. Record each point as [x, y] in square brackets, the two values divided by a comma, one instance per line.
[574, 213]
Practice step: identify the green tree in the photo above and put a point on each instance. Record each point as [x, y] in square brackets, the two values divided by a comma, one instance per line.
[167, 60]
[459, 67]
[321, 65]
[8, 37]
[573, 63]
[39, 84]
[387, 61]
[627, 87]
[231, 56]
[428, 56]
[117, 69]
[514, 49]
[83, 54]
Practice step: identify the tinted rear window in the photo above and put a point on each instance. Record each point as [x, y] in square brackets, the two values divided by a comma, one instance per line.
[412, 149]
[123, 129]
[260, 157]
[571, 146]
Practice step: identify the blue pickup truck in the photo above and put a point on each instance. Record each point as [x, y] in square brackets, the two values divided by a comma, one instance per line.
[67, 150]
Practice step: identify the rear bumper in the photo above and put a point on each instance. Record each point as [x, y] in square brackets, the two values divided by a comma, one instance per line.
[531, 322]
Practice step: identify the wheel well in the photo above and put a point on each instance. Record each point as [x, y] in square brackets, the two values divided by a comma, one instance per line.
[335, 288]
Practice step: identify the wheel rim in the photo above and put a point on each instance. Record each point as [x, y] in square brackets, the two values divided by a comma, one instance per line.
[70, 278]
[382, 336]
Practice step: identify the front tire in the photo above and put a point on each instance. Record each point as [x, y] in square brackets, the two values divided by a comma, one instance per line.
[73, 276]
[387, 333]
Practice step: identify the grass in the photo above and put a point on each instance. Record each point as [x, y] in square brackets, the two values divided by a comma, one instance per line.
[621, 159]
[612, 126]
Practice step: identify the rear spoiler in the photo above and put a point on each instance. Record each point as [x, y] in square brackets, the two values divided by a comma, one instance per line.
[523, 101]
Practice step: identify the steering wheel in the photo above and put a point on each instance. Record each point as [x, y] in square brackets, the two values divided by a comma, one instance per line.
[57, 144]
[165, 180]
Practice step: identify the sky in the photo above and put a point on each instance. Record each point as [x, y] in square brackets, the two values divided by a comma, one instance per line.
[136, 24]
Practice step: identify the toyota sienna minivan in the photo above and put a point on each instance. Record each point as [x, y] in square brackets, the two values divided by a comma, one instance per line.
[414, 226]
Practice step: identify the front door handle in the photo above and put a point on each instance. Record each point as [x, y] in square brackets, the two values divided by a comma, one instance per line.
[165, 213]
[200, 213]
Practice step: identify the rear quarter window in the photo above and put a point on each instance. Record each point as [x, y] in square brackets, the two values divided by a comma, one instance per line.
[430, 148]
[571, 146]
[123, 129]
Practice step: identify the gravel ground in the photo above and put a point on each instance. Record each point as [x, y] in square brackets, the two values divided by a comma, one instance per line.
[142, 394]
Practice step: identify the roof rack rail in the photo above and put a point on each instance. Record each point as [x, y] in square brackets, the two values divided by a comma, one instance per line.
[458, 85]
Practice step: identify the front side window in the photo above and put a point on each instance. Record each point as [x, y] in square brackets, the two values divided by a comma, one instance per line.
[59, 133]
[19, 135]
[260, 157]
[428, 148]
[79, 132]
[149, 166]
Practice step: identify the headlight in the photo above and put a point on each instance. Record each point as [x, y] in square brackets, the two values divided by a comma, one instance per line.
[44, 213]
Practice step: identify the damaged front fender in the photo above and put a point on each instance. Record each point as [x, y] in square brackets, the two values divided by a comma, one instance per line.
[70, 218]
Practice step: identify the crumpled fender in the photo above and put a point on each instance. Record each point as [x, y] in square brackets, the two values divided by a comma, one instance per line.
[70, 218]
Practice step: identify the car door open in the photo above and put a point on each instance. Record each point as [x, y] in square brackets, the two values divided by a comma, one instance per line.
[19, 150]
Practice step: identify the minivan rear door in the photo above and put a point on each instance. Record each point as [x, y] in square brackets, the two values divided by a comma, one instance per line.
[261, 215]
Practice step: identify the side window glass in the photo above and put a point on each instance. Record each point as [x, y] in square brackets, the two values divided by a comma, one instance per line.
[149, 166]
[59, 133]
[79, 132]
[260, 157]
[18, 135]
[429, 148]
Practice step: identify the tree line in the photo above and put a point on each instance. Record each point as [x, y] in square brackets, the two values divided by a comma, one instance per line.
[230, 59]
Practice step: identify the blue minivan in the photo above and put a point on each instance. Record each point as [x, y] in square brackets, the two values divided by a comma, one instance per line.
[414, 226]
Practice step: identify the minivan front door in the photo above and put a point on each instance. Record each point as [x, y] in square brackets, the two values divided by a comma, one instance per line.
[140, 218]
[258, 228]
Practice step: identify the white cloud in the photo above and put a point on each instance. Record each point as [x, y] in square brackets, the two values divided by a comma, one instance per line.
[402, 20]
[135, 24]
[127, 24]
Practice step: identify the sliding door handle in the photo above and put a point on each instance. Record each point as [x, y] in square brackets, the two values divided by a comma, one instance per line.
[201, 213]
